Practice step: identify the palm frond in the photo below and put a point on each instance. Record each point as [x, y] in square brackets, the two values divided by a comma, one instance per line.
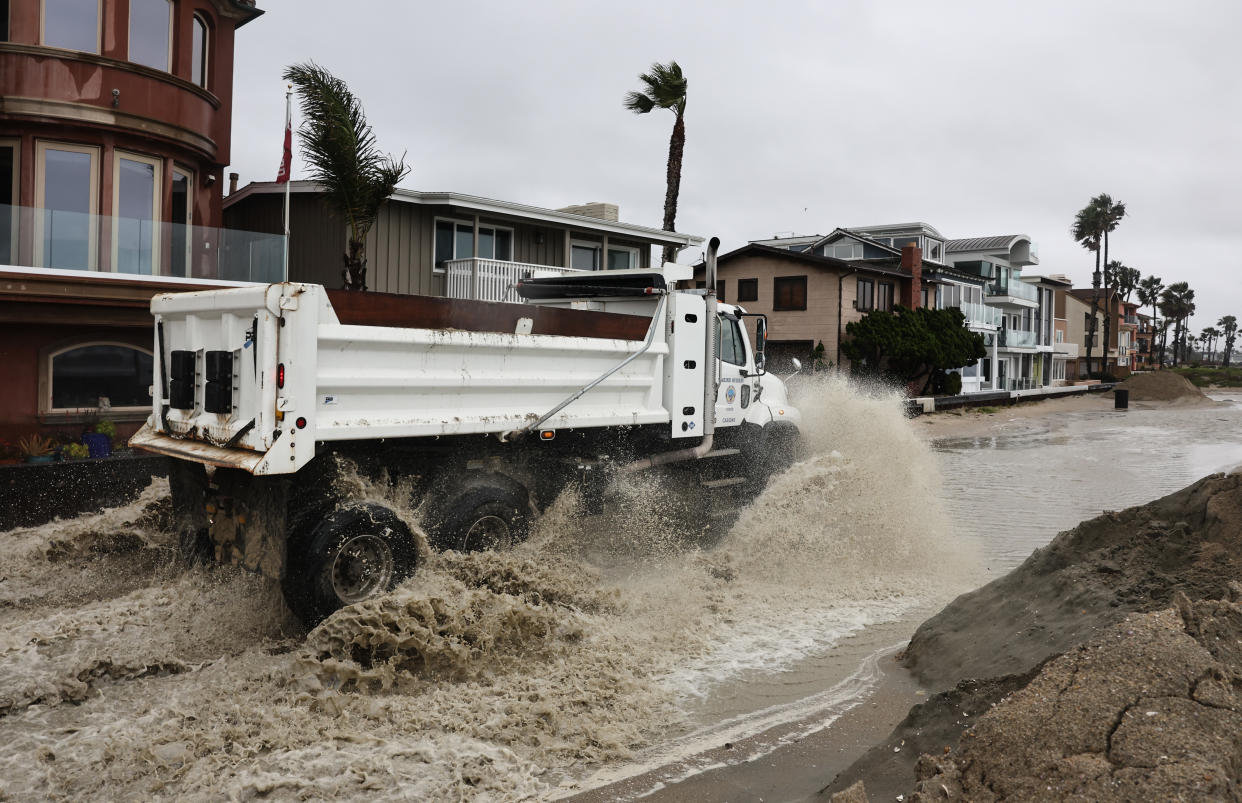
[339, 147]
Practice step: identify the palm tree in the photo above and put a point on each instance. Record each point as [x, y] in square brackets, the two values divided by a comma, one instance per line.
[1208, 338]
[339, 148]
[665, 88]
[1177, 302]
[1148, 295]
[1110, 215]
[1088, 230]
[1229, 328]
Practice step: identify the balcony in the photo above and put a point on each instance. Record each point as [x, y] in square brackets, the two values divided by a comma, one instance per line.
[493, 279]
[1013, 293]
[74, 241]
[1132, 320]
[1069, 350]
[1024, 383]
[980, 314]
[1015, 339]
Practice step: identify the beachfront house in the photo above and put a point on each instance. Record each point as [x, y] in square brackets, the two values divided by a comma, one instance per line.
[450, 244]
[115, 125]
[809, 298]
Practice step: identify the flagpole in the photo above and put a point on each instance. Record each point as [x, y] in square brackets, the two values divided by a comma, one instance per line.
[289, 179]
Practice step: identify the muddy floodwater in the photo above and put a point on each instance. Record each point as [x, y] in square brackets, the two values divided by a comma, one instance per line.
[600, 650]
[1012, 491]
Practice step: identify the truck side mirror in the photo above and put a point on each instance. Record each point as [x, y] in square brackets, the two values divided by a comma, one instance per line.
[761, 341]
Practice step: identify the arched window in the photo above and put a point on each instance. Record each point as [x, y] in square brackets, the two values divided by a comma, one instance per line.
[93, 375]
[198, 59]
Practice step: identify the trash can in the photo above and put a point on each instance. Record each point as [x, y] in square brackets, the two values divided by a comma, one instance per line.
[1121, 398]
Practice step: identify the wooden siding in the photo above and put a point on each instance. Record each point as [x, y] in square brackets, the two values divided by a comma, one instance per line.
[317, 236]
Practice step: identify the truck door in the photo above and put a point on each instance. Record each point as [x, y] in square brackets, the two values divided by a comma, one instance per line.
[737, 375]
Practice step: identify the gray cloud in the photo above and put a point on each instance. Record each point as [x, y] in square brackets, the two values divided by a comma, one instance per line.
[977, 117]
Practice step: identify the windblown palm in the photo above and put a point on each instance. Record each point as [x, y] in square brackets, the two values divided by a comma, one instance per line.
[1229, 330]
[665, 88]
[1177, 302]
[1110, 215]
[1088, 230]
[1149, 295]
[339, 148]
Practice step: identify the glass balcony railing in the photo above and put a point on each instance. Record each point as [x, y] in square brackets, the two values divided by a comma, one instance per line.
[1016, 339]
[980, 314]
[1015, 289]
[66, 240]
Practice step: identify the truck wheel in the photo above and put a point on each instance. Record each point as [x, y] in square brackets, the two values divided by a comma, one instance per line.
[491, 513]
[352, 554]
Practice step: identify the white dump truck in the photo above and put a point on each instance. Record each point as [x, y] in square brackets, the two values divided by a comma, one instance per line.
[486, 411]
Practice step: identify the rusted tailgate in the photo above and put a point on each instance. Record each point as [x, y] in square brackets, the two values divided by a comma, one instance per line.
[149, 440]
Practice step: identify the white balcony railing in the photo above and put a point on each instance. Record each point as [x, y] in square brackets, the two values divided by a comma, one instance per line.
[493, 279]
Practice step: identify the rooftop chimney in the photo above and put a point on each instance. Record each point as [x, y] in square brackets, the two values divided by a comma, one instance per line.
[233, 182]
[912, 263]
[595, 209]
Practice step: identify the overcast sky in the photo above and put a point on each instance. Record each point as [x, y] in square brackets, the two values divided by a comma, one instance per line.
[979, 118]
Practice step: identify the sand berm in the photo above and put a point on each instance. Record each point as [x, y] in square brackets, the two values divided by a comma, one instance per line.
[1108, 666]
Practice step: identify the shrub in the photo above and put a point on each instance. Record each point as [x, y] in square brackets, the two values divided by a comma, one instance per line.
[952, 383]
[106, 427]
[74, 451]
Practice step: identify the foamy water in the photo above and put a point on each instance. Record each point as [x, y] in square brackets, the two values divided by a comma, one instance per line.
[495, 676]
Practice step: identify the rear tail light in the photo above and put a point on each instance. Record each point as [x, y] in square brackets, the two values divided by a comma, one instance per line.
[280, 376]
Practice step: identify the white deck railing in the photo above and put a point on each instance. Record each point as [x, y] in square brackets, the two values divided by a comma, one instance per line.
[492, 279]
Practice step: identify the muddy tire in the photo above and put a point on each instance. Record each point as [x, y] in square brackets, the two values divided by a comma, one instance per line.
[350, 555]
[489, 512]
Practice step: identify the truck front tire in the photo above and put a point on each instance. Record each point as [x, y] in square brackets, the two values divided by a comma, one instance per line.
[352, 554]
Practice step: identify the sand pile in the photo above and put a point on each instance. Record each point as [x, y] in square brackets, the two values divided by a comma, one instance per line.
[1080, 589]
[1150, 710]
[1162, 386]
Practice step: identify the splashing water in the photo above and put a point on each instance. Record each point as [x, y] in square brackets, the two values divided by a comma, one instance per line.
[489, 676]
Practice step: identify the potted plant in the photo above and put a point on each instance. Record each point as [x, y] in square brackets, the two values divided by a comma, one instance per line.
[36, 449]
[99, 440]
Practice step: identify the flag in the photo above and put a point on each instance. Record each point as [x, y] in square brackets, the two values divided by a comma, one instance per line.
[286, 159]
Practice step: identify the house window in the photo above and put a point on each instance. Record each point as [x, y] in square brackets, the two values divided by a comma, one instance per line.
[66, 186]
[181, 217]
[731, 348]
[622, 257]
[789, 293]
[198, 57]
[4, 20]
[584, 255]
[923, 297]
[150, 33]
[136, 188]
[845, 250]
[9, 169]
[885, 301]
[720, 289]
[747, 290]
[71, 24]
[902, 242]
[933, 249]
[865, 300]
[1060, 336]
[455, 240]
[82, 375]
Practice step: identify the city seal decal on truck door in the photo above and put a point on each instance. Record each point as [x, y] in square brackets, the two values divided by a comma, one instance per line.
[730, 394]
